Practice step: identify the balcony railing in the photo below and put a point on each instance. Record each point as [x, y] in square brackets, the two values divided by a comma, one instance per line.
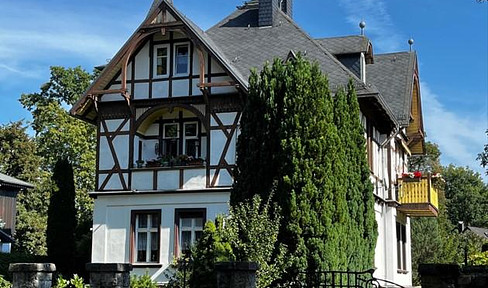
[418, 197]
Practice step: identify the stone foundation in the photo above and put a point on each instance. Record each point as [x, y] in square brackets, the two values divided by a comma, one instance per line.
[32, 275]
[236, 274]
[110, 275]
[453, 276]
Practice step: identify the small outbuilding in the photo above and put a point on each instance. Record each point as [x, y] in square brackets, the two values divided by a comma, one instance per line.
[9, 189]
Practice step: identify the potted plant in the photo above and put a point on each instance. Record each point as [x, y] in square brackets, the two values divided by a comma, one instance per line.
[140, 163]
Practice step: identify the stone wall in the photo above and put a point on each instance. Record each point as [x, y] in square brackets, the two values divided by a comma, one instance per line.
[32, 275]
[453, 276]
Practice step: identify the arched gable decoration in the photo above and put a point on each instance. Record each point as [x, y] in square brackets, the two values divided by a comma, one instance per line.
[190, 108]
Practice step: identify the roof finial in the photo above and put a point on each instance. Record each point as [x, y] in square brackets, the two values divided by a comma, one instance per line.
[362, 25]
[410, 42]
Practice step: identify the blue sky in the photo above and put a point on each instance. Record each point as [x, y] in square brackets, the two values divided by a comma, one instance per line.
[451, 39]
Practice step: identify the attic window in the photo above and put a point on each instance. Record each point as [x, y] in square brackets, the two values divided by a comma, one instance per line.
[161, 58]
[283, 6]
[182, 59]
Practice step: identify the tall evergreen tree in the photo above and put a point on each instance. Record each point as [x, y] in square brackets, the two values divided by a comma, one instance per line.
[61, 221]
[300, 152]
[360, 191]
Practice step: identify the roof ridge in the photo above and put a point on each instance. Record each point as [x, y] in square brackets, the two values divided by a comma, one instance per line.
[323, 49]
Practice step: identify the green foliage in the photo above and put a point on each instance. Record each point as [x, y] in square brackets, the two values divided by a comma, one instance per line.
[61, 222]
[479, 259]
[143, 281]
[249, 234]
[466, 196]
[60, 136]
[4, 283]
[57, 136]
[483, 156]
[299, 143]
[18, 159]
[213, 247]
[252, 229]
[75, 282]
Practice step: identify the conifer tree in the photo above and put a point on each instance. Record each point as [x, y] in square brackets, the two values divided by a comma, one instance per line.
[308, 152]
[61, 222]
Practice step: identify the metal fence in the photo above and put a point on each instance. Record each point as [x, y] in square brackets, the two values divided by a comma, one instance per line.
[342, 279]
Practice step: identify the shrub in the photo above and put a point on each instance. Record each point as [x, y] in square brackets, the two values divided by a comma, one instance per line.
[4, 283]
[75, 282]
[143, 281]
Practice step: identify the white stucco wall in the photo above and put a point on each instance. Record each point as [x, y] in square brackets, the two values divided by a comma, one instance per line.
[111, 223]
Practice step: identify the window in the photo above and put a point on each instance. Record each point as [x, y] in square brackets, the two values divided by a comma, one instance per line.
[283, 6]
[401, 233]
[145, 229]
[170, 139]
[191, 142]
[162, 60]
[189, 228]
[182, 59]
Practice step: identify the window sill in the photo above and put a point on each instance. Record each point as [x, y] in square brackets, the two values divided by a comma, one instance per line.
[147, 265]
[400, 271]
[199, 166]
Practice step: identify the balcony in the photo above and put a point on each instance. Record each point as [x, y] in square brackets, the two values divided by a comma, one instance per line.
[418, 197]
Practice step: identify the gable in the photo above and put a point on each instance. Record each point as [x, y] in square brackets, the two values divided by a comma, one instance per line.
[131, 73]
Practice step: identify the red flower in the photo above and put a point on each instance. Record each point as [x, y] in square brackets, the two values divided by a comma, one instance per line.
[417, 174]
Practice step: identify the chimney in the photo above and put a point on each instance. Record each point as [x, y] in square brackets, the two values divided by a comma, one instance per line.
[269, 8]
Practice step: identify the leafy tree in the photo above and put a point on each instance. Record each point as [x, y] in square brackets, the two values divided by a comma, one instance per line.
[483, 156]
[466, 196]
[61, 222]
[18, 159]
[60, 136]
[298, 142]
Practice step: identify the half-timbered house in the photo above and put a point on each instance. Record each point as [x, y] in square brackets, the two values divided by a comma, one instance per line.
[167, 109]
[9, 189]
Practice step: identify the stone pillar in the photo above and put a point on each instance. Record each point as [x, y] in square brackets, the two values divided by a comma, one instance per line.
[32, 275]
[109, 275]
[236, 274]
[439, 275]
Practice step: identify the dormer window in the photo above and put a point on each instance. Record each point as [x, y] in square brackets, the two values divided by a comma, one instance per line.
[283, 6]
[182, 59]
[162, 60]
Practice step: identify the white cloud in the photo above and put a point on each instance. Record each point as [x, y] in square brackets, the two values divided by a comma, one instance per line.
[379, 24]
[460, 137]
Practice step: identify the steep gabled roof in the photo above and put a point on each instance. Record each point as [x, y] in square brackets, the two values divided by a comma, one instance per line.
[115, 64]
[6, 180]
[393, 74]
[249, 46]
[345, 45]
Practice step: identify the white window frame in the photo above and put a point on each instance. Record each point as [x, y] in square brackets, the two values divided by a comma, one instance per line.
[175, 52]
[155, 64]
[177, 130]
[190, 137]
[148, 230]
[193, 229]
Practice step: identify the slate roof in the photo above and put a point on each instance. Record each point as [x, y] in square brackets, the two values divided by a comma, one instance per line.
[248, 46]
[11, 181]
[345, 45]
[393, 75]
[482, 232]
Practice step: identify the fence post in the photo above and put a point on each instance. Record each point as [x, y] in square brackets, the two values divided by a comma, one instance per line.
[109, 275]
[32, 275]
[236, 274]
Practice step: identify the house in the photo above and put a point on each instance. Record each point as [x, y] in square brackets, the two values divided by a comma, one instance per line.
[9, 188]
[167, 109]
